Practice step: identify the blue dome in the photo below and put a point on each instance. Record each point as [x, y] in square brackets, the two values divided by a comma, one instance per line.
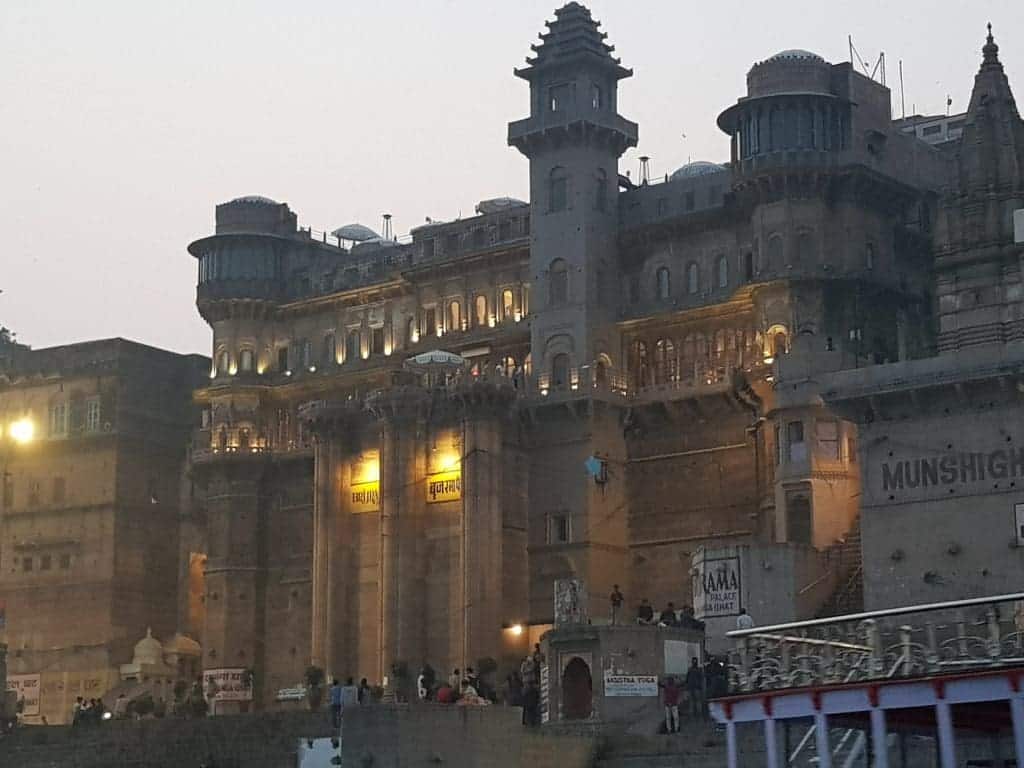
[697, 168]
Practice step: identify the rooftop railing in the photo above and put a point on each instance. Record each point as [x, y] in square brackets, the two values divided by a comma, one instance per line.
[912, 641]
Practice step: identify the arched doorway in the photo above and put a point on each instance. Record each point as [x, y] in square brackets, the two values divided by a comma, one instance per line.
[577, 690]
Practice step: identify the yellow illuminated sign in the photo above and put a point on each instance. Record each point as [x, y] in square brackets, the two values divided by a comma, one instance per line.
[444, 486]
[364, 497]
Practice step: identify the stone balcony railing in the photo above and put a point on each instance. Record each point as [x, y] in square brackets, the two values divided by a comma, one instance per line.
[912, 641]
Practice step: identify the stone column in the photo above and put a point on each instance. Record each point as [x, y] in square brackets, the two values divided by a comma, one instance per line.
[484, 407]
[323, 506]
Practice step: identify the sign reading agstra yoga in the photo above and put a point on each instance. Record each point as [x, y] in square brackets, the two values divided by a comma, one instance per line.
[716, 587]
[949, 469]
[444, 486]
[630, 685]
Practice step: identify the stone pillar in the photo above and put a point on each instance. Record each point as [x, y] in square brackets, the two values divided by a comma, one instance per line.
[233, 634]
[401, 411]
[324, 505]
[484, 408]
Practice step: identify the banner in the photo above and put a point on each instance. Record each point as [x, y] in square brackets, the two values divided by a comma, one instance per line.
[630, 685]
[227, 684]
[364, 497]
[444, 486]
[570, 602]
[716, 588]
[26, 689]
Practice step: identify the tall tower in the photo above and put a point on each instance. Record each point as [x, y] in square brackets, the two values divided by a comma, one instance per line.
[574, 138]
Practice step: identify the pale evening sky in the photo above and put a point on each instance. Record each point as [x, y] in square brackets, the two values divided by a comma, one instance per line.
[125, 121]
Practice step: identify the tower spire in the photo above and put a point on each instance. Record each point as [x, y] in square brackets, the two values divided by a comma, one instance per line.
[990, 53]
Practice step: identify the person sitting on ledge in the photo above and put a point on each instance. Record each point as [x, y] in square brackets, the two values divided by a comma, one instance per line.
[668, 617]
[645, 613]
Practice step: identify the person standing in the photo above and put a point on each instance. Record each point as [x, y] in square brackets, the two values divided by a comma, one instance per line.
[334, 699]
[615, 599]
[695, 688]
[349, 695]
[744, 620]
[670, 697]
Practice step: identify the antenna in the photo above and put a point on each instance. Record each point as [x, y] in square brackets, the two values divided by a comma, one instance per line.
[878, 68]
[386, 235]
[644, 169]
[903, 96]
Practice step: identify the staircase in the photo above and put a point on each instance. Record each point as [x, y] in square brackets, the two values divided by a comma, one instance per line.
[699, 744]
[849, 595]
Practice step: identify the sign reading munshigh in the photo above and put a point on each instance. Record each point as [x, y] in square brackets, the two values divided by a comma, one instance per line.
[952, 469]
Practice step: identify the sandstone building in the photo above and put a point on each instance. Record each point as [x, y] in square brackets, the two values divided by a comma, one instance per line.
[92, 460]
[410, 441]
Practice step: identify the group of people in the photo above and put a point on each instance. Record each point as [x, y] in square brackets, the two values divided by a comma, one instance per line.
[698, 685]
[87, 712]
[342, 697]
[668, 617]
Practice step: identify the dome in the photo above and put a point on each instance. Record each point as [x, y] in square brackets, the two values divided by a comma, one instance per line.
[497, 204]
[358, 233]
[696, 168]
[796, 54]
[255, 200]
[182, 645]
[148, 650]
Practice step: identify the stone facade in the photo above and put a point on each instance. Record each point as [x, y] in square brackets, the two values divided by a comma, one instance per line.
[396, 454]
[92, 509]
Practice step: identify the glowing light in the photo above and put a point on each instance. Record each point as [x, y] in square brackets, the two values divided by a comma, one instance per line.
[366, 471]
[22, 431]
[440, 331]
[233, 369]
[516, 629]
[213, 373]
[447, 461]
[769, 360]
[261, 368]
[415, 337]
[287, 373]
[490, 321]
[312, 369]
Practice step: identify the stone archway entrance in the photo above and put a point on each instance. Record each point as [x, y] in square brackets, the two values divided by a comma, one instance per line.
[577, 690]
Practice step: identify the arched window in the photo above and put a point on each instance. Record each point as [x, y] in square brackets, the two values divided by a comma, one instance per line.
[508, 304]
[664, 283]
[223, 361]
[245, 360]
[692, 278]
[480, 307]
[558, 275]
[640, 363]
[804, 248]
[601, 190]
[748, 266]
[722, 271]
[664, 361]
[307, 354]
[454, 316]
[411, 333]
[558, 189]
[560, 371]
[352, 346]
[774, 253]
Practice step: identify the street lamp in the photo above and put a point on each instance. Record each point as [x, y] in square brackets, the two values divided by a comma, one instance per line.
[22, 431]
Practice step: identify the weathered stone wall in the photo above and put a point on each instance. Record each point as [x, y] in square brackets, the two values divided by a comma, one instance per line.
[401, 736]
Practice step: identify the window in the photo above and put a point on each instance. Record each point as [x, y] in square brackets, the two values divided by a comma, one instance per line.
[748, 266]
[352, 346]
[223, 360]
[454, 316]
[329, 349]
[559, 283]
[411, 334]
[851, 449]
[59, 489]
[377, 341]
[507, 305]
[560, 371]
[45, 563]
[92, 415]
[664, 283]
[282, 359]
[869, 256]
[664, 361]
[595, 96]
[775, 253]
[931, 130]
[559, 96]
[428, 248]
[640, 363]
[722, 272]
[558, 190]
[431, 323]
[504, 231]
[559, 529]
[798, 520]
[245, 360]
[692, 278]
[307, 353]
[795, 439]
[65, 562]
[827, 433]
[58, 419]
[26, 564]
[601, 190]
[480, 310]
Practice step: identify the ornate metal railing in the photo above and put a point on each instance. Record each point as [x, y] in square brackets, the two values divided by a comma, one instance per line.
[899, 642]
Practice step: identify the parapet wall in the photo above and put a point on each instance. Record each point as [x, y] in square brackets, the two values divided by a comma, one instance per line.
[423, 734]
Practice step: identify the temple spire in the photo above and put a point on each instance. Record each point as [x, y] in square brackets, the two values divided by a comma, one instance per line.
[990, 53]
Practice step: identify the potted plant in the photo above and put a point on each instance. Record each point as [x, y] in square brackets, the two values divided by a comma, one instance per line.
[314, 686]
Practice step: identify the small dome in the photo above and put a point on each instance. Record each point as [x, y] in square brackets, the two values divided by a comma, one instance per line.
[796, 54]
[358, 233]
[696, 168]
[255, 200]
[148, 650]
[183, 645]
[497, 204]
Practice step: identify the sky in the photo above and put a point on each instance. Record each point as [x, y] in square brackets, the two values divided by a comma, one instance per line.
[124, 122]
